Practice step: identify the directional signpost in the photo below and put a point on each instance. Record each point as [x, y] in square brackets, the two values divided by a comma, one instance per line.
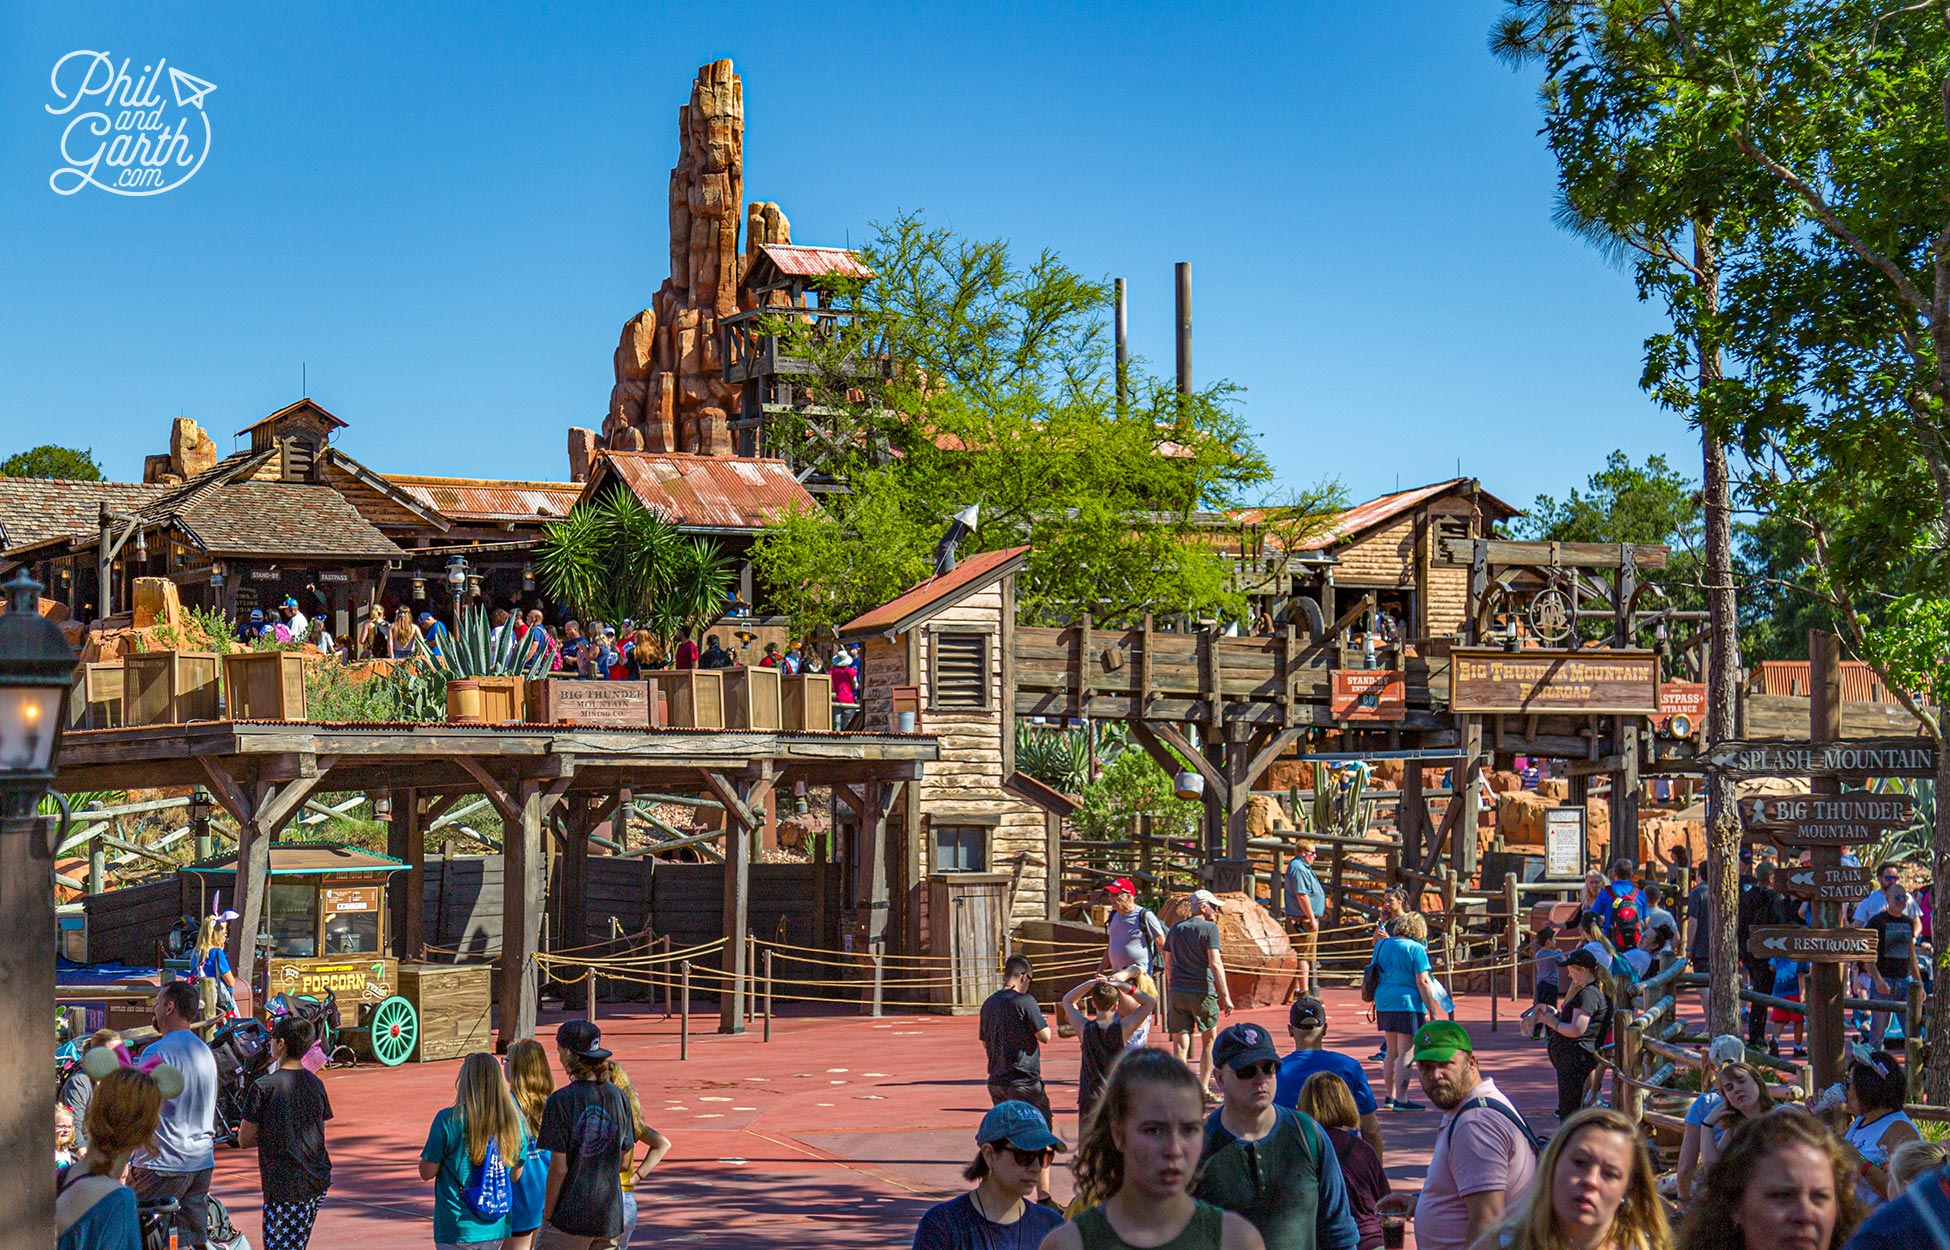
[1840, 883]
[1815, 946]
[1825, 820]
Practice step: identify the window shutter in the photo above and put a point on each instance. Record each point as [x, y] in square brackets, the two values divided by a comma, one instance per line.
[961, 670]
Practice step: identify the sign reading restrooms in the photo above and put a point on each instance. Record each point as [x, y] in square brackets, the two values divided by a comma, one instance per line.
[1485, 679]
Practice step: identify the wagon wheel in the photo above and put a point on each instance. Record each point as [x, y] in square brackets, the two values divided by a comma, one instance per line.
[394, 1030]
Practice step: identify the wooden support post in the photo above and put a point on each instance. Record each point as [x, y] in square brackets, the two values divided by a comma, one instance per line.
[1053, 857]
[1462, 848]
[821, 918]
[1411, 814]
[1826, 1036]
[1338, 877]
[97, 867]
[737, 907]
[1513, 932]
[574, 932]
[405, 820]
[27, 944]
[259, 814]
[1624, 805]
[523, 887]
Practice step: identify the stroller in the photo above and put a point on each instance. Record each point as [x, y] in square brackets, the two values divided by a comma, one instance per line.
[242, 1050]
[155, 1218]
[323, 1013]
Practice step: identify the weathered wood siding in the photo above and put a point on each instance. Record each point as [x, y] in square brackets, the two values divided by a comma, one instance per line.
[125, 925]
[462, 904]
[1384, 558]
[370, 504]
[1446, 586]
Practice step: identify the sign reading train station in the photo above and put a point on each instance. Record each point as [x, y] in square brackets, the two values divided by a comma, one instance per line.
[1815, 946]
[1491, 680]
[1825, 819]
[1833, 883]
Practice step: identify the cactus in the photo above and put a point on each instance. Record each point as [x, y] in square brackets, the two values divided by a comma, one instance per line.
[472, 650]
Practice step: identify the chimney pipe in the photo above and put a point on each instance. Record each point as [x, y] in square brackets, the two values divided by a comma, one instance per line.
[1123, 349]
[1184, 301]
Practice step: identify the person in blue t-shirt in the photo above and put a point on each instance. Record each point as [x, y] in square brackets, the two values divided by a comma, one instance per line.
[1306, 1024]
[1404, 997]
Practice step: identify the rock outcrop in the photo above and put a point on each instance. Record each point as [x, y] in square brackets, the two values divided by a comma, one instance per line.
[191, 450]
[669, 392]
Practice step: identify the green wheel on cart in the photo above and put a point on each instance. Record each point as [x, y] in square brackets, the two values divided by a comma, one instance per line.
[394, 1030]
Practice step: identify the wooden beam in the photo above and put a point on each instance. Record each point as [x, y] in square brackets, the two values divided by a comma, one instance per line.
[522, 888]
[492, 789]
[1581, 555]
[1170, 736]
[1273, 750]
[734, 806]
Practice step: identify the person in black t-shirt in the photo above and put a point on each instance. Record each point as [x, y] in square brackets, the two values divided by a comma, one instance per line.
[1760, 904]
[1895, 963]
[284, 1117]
[1013, 1031]
[1577, 1028]
[588, 1128]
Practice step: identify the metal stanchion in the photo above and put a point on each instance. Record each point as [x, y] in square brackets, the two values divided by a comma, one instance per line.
[751, 967]
[768, 995]
[589, 1002]
[684, 1025]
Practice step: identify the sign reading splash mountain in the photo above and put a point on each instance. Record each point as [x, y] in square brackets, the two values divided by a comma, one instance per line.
[1485, 679]
[1858, 757]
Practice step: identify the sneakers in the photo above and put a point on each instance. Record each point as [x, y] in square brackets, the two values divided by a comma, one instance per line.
[1403, 1104]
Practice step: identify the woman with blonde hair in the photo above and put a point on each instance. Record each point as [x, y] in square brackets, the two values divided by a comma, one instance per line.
[1782, 1182]
[404, 637]
[1914, 1160]
[217, 984]
[1136, 1163]
[1744, 1097]
[1594, 1191]
[483, 1129]
[94, 1207]
[632, 1171]
[530, 1082]
[372, 641]
[1327, 1099]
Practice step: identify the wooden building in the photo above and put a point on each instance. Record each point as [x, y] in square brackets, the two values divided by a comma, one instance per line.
[942, 651]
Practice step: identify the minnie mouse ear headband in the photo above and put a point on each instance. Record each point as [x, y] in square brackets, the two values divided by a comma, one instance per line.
[103, 1061]
[217, 911]
[1881, 1060]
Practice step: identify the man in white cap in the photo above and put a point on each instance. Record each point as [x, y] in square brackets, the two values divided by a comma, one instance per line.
[1196, 984]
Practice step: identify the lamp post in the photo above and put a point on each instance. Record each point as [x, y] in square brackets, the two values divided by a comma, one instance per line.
[201, 805]
[36, 673]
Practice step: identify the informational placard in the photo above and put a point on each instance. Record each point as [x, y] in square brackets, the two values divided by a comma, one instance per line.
[350, 898]
[1837, 883]
[1374, 694]
[1684, 700]
[1489, 680]
[1815, 946]
[1796, 820]
[1861, 757]
[1564, 843]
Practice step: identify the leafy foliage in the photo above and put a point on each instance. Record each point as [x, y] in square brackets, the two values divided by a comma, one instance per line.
[993, 385]
[1134, 785]
[615, 560]
[52, 461]
[197, 629]
[474, 650]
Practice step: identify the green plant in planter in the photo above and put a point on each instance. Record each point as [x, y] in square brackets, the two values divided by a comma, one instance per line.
[472, 650]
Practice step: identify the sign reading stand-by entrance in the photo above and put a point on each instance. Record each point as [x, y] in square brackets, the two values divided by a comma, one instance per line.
[1564, 843]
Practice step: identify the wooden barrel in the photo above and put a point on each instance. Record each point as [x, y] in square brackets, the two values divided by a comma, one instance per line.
[1259, 959]
[464, 701]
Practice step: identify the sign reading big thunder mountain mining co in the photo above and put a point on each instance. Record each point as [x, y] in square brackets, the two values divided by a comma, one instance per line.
[1490, 680]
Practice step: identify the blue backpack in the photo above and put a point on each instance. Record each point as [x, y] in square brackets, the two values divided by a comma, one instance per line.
[490, 1194]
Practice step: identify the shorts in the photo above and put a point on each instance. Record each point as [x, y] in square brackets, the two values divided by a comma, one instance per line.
[553, 1238]
[1037, 1097]
[1398, 1021]
[1306, 942]
[1191, 1013]
[1781, 1015]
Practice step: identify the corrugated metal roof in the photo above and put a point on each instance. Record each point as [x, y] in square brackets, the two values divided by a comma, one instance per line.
[935, 590]
[814, 262]
[1859, 682]
[1378, 511]
[481, 499]
[705, 492]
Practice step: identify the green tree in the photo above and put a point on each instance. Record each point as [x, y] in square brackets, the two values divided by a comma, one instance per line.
[53, 461]
[966, 376]
[614, 560]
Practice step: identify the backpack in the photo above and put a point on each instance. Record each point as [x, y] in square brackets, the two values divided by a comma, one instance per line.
[1626, 922]
[1503, 1109]
[1144, 919]
[490, 1194]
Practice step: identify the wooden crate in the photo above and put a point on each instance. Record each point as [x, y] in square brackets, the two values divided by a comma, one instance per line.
[452, 1000]
[808, 701]
[567, 701]
[170, 687]
[694, 697]
[751, 698]
[264, 685]
[485, 700]
[97, 699]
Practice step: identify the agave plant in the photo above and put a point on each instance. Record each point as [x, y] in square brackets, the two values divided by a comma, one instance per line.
[1059, 758]
[1915, 841]
[473, 650]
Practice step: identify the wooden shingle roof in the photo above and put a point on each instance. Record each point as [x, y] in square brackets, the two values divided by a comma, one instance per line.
[36, 509]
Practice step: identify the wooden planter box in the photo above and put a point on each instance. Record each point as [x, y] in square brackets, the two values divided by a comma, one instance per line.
[566, 701]
[751, 698]
[170, 687]
[807, 701]
[484, 700]
[452, 1000]
[264, 685]
[694, 697]
[97, 699]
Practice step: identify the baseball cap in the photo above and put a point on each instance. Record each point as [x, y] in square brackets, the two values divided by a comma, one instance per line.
[289, 602]
[581, 1039]
[1308, 1013]
[1242, 1044]
[1439, 1041]
[1121, 886]
[257, 614]
[1208, 898]
[1726, 1048]
[1015, 1123]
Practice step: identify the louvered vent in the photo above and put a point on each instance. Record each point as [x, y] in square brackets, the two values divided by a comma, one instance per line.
[300, 458]
[961, 665]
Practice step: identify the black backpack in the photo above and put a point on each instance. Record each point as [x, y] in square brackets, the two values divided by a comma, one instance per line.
[1505, 1110]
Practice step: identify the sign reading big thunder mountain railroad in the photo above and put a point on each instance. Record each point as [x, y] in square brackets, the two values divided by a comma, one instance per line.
[1490, 680]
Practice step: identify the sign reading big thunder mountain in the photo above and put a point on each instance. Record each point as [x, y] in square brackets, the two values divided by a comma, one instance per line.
[1490, 680]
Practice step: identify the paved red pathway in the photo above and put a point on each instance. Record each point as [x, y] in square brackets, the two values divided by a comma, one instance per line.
[844, 1128]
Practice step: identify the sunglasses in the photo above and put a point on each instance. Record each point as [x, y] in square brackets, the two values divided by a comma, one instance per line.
[1031, 1158]
[1265, 1067]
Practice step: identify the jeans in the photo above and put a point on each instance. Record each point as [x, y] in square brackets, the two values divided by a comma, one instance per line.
[192, 1193]
[629, 1220]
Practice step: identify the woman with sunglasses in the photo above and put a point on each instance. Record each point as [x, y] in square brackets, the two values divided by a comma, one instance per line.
[1136, 1161]
[1013, 1146]
[1877, 1090]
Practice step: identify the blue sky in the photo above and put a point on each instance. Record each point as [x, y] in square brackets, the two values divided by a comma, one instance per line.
[444, 214]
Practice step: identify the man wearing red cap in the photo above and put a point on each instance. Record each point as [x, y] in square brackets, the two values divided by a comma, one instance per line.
[1134, 936]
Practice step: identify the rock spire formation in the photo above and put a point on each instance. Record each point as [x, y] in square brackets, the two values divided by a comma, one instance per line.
[670, 394]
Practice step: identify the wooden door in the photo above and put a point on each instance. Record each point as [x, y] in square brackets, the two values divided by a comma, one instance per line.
[967, 912]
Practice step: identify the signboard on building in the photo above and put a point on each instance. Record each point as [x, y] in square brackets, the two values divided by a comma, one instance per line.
[617, 704]
[1564, 842]
[1860, 757]
[1838, 883]
[1378, 694]
[1682, 709]
[1815, 946]
[1490, 680]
